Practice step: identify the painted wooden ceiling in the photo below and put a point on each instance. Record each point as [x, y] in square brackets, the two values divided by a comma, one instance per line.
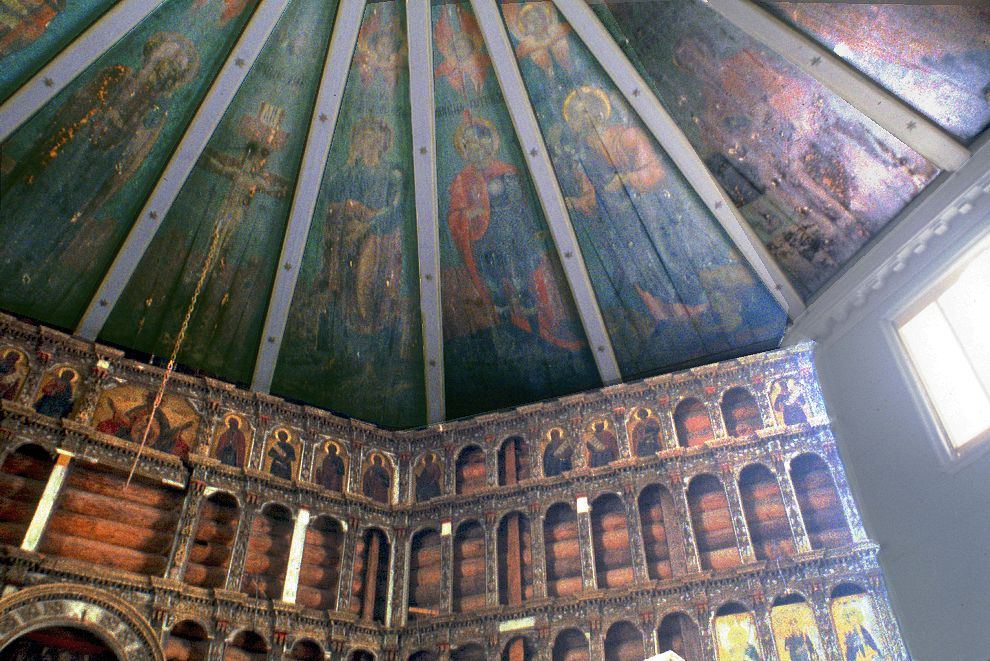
[408, 212]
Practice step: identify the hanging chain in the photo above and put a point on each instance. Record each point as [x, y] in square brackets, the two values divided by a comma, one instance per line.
[179, 339]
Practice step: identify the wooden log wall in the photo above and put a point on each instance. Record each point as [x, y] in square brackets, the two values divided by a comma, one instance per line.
[306, 650]
[469, 569]
[610, 538]
[519, 648]
[23, 476]
[656, 518]
[712, 523]
[513, 461]
[319, 572]
[679, 634]
[246, 646]
[819, 501]
[470, 470]
[766, 518]
[97, 520]
[424, 575]
[624, 642]
[563, 551]
[570, 645]
[740, 412]
[267, 553]
[187, 641]
[692, 424]
[209, 556]
[515, 559]
[369, 589]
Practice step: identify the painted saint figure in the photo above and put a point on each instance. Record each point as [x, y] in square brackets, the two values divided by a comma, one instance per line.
[130, 425]
[558, 455]
[428, 478]
[499, 239]
[603, 447]
[789, 403]
[377, 482]
[646, 435]
[57, 395]
[231, 444]
[362, 234]
[12, 373]
[542, 38]
[282, 455]
[465, 65]
[330, 474]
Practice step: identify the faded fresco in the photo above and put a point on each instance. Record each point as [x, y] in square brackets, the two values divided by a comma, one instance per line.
[75, 176]
[857, 628]
[795, 633]
[232, 441]
[511, 331]
[13, 370]
[736, 638]
[330, 467]
[236, 200]
[57, 394]
[283, 453]
[934, 57]
[353, 338]
[671, 286]
[124, 412]
[814, 177]
[32, 32]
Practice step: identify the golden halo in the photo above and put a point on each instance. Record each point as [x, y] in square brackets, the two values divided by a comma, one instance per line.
[531, 7]
[587, 92]
[467, 122]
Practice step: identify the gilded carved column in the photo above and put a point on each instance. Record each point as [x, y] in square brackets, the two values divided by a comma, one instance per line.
[446, 564]
[791, 506]
[731, 486]
[344, 586]
[761, 614]
[239, 551]
[491, 560]
[585, 543]
[823, 618]
[636, 547]
[537, 550]
[678, 493]
[192, 506]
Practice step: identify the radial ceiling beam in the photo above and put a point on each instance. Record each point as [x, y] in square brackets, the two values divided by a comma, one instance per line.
[197, 134]
[420, 30]
[663, 127]
[547, 188]
[71, 61]
[906, 124]
[317, 150]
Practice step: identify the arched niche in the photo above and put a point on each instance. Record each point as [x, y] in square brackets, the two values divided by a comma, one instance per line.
[469, 472]
[187, 641]
[371, 575]
[736, 636]
[246, 646]
[513, 461]
[424, 575]
[678, 633]
[267, 552]
[712, 523]
[562, 550]
[114, 621]
[662, 537]
[740, 412]
[469, 568]
[795, 630]
[469, 652]
[858, 627]
[59, 642]
[570, 645]
[611, 543]
[766, 518]
[209, 555]
[515, 559]
[624, 642]
[306, 650]
[692, 424]
[319, 572]
[361, 655]
[23, 476]
[818, 499]
[519, 648]
[423, 656]
[96, 520]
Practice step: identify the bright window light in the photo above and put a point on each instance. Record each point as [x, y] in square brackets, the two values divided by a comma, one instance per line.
[946, 334]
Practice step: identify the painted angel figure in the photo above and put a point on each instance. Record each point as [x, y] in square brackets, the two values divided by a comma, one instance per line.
[465, 63]
[542, 38]
[381, 50]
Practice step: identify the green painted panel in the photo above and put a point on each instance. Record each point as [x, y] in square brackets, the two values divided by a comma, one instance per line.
[32, 32]
[76, 175]
[511, 330]
[672, 287]
[353, 339]
[814, 177]
[240, 189]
